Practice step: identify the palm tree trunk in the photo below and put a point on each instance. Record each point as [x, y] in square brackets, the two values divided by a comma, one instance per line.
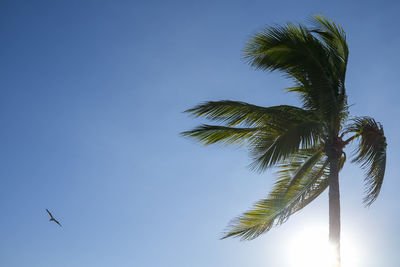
[334, 208]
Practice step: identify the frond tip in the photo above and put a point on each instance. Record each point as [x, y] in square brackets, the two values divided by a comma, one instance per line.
[371, 154]
[211, 134]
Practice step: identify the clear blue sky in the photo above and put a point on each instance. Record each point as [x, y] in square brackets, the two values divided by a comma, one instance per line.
[91, 101]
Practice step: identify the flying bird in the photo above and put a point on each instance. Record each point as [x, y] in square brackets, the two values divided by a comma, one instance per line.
[52, 218]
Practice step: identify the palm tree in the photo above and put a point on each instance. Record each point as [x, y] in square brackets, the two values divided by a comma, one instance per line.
[305, 143]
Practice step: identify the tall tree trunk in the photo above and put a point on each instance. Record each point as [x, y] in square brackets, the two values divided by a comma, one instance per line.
[334, 208]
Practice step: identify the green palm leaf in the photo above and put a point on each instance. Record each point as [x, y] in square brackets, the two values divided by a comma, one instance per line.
[311, 58]
[370, 153]
[334, 39]
[276, 134]
[233, 113]
[211, 134]
[300, 163]
[267, 153]
[290, 194]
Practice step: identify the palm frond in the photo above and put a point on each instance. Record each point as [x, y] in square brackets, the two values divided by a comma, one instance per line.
[309, 60]
[299, 164]
[286, 198]
[211, 134]
[293, 50]
[274, 133]
[267, 151]
[233, 113]
[370, 153]
[334, 39]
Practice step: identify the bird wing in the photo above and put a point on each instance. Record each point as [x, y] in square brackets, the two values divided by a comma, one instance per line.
[57, 222]
[49, 213]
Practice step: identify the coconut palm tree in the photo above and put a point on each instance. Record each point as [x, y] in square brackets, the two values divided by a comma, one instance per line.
[305, 143]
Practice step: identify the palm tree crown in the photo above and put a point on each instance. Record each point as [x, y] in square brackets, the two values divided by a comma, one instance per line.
[305, 143]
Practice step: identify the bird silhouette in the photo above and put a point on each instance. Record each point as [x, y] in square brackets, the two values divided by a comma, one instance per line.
[52, 218]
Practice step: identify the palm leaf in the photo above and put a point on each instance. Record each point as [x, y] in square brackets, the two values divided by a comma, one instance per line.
[293, 50]
[299, 164]
[334, 39]
[211, 134]
[277, 131]
[281, 203]
[267, 152]
[233, 113]
[316, 65]
[370, 153]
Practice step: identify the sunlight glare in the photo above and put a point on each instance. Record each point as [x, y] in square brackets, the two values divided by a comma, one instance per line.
[312, 249]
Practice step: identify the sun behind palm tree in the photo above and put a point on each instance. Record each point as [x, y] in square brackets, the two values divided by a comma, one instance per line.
[305, 143]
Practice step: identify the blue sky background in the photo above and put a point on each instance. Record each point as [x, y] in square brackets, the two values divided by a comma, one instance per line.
[91, 101]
